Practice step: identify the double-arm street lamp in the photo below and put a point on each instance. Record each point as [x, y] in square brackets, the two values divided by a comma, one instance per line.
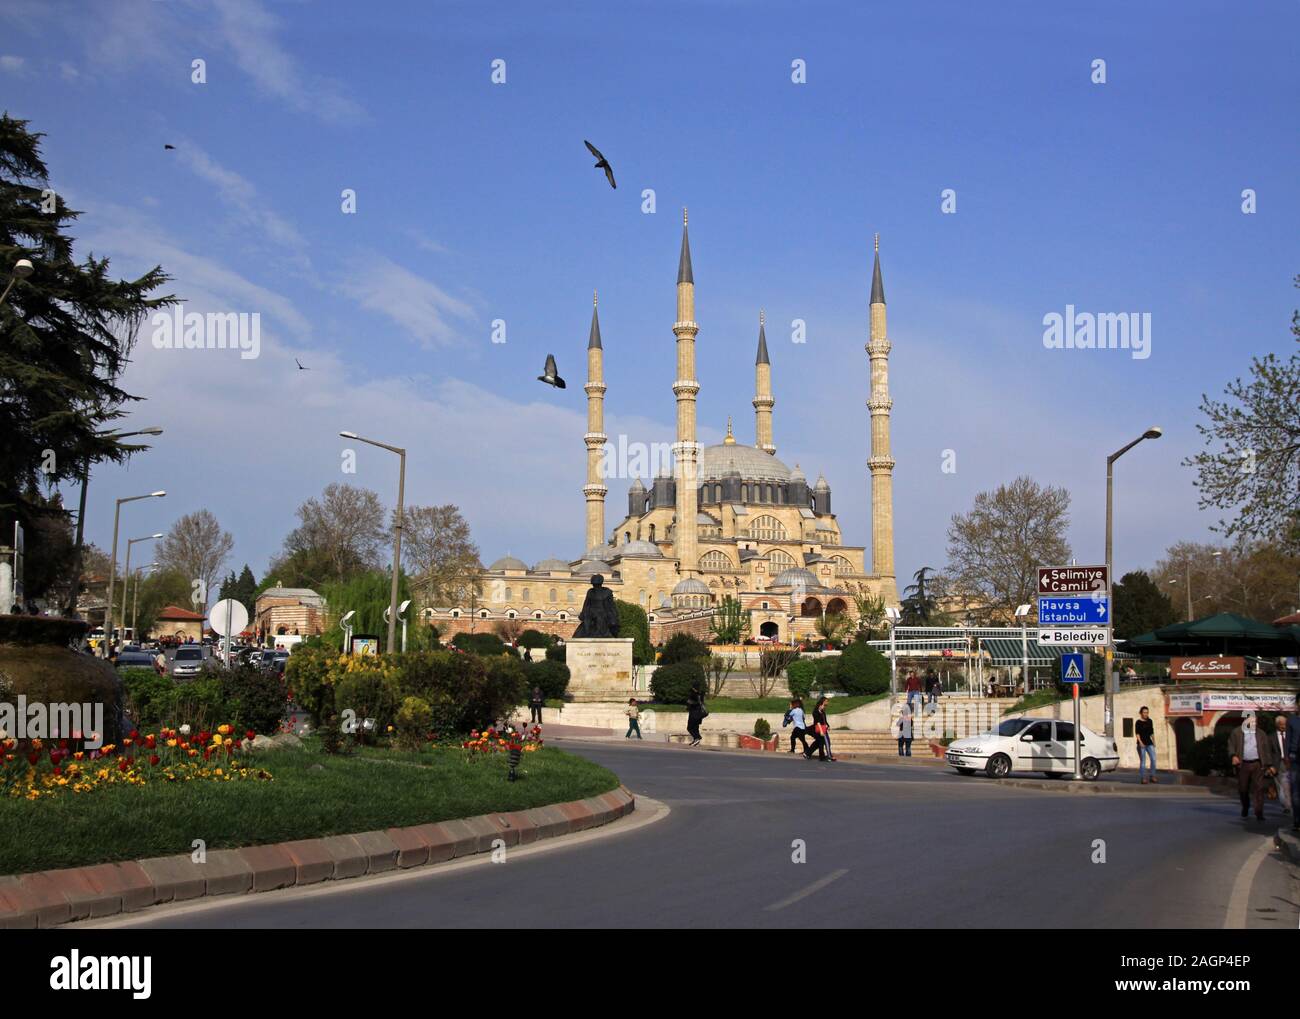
[126, 571]
[112, 567]
[397, 531]
[1153, 432]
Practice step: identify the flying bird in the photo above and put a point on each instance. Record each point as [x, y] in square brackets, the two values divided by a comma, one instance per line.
[301, 366]
[165, 146]
[602, 163]
[550, 376]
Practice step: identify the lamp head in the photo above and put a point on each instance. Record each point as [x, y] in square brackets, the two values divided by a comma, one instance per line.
[23, 268]
[348, 435]
[344, 620]
[1022, 610]
[1154, 432]
[402, 608]
[158, 494]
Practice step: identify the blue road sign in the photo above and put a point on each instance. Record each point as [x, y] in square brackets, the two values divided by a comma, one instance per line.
[1088, 610]
[1073, 669]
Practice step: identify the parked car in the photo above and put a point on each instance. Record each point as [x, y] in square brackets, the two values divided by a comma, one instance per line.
[274, 662]
[1026, 744]
[187, 662]
[136, 659]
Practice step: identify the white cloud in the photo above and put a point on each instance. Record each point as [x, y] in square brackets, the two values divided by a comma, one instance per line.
[417, 305]
[249, 30]
[11, 64]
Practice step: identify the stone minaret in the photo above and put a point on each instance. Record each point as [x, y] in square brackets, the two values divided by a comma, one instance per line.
[686, 449]
[594, 490]
[763, 394]
[881, 463]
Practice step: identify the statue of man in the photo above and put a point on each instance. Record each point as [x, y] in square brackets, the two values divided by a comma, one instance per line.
[599, 615]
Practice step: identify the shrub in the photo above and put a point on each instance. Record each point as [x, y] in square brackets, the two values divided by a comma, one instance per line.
[414, 721]
[369, 693]
[800, 676]
[763, 729]
[551, 677]
[672, 683]
[308, 675]
[862, 670]
[557, 653]
[682, 647]
[149, 695]
[634, 623]
[200, 704]
[485, 644]
[535, 638]
[463, 691]
[252, 699]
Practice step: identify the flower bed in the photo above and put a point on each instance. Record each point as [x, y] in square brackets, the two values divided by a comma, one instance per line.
[33, 768]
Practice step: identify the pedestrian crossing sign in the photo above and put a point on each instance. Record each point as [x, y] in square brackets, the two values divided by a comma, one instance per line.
[1074, 668]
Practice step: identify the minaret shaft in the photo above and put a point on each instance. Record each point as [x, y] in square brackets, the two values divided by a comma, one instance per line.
[763, 401]
[685, 387]
[881, 462]
[594, 490]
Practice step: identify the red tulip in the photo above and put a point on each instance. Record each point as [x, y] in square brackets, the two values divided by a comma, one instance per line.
[154, 758]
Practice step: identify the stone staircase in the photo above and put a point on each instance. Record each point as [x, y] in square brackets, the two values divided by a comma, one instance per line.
[849, 743]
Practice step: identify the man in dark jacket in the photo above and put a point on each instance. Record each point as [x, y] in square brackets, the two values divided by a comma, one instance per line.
[1292, 767]
[1256, 759]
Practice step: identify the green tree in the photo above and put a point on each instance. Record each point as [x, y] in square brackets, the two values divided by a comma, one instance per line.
[1251, 464]
[244, 590]
[1139, 606]
[158, 590]
[871, 614]
[633, 622]
[917, 605]
[67, 332]
[368, 595]
[730, 623]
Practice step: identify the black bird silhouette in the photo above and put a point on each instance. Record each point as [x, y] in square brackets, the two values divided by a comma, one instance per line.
[169, 146]
[551, 377]
[602, 163]
[301, 368]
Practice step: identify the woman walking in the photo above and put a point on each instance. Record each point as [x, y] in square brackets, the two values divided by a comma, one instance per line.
[1146, 744]
[822, 727]
[695, 714]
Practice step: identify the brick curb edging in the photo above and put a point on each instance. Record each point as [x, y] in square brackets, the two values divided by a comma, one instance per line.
[52, 897]
[1289, 843]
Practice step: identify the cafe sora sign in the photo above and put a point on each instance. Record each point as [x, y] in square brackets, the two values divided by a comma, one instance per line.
[1206, 668]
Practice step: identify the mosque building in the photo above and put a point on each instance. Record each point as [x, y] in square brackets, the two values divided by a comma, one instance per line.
[760, 532]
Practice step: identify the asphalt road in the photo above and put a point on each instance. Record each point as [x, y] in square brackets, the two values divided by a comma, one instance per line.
[885, 846]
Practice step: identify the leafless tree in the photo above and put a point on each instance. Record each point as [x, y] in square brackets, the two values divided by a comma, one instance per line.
[343, 531]
[196, 547]
[440, 555]
[995, 550]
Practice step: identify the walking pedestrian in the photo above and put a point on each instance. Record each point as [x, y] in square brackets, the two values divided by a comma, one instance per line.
[1255, 759]
[822, 729]
[932, 687]
[905, 733]
[1282, 737]
[695, 714]
[796, 718]
[633, 725]
[913, 689]
[528, 654]
[1145, 730]
[535, 702]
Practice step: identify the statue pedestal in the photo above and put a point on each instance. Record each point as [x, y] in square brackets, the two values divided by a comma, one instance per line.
[600, 668]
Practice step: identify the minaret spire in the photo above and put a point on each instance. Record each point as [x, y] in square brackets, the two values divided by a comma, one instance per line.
[763, 401]
[594, 490]
[881, 462]
[685, 387]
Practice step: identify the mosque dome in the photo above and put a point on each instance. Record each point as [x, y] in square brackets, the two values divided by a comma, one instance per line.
[691, 585]
[752, 464]
[639, 548]
[795, 576]
[551, 566]
[508, 562]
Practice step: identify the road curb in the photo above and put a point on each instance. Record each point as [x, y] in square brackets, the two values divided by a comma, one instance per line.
[1288, 840]
[53, 897]
[1097, 788]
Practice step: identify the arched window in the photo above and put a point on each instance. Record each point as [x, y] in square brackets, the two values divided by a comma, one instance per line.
[780, 560]
[627, 536]
[641, 596]
[716, 560]
[455, 613]
[483, 614]
[570, 595]
[767, 528]
[510, 614]
[553, 594]
[842, 565]
[652, 574]
[507, 598]
[525, 595]
[652, 532]
[563, 616]
[537, 615]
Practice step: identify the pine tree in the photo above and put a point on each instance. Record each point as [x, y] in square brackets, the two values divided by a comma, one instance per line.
[66, 334]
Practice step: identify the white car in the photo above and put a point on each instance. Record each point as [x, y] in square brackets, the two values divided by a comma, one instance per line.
[1032, 744]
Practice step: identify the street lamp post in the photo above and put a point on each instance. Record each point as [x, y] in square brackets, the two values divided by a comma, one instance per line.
[893, 616]
[397, 530]
[135, 597]
[112, 567]
[21, 270]
[71, 609]
[126, 572]
[1151, 433]
[1022, 613]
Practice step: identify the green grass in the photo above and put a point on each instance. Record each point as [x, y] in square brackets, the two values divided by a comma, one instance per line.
[372, 789]
[767, 705]
[1038, 699]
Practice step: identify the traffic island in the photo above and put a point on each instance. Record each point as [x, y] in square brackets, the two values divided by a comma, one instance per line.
[54, 897]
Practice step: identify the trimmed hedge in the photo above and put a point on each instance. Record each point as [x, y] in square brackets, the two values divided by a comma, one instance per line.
[672, 683]
[535, 638]
[551, 676]
[682, 647]
[862, 670]
[480, 643]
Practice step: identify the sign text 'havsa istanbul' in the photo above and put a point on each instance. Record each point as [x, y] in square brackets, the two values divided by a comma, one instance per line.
[1206, 667]
[1071, 579]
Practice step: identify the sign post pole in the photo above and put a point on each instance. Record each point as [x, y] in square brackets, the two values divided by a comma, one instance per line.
[1078, 738]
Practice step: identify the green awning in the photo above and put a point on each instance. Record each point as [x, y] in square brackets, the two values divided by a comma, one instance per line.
[1009, 651]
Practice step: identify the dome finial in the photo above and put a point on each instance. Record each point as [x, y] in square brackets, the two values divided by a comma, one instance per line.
[730, 440]
[877, 242]
[761, 317]
[684, 216]
[594, 301]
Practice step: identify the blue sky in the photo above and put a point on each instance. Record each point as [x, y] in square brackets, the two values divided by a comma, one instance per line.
[477, 201]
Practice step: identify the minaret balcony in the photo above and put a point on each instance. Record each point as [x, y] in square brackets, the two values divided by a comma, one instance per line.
[881, 463]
